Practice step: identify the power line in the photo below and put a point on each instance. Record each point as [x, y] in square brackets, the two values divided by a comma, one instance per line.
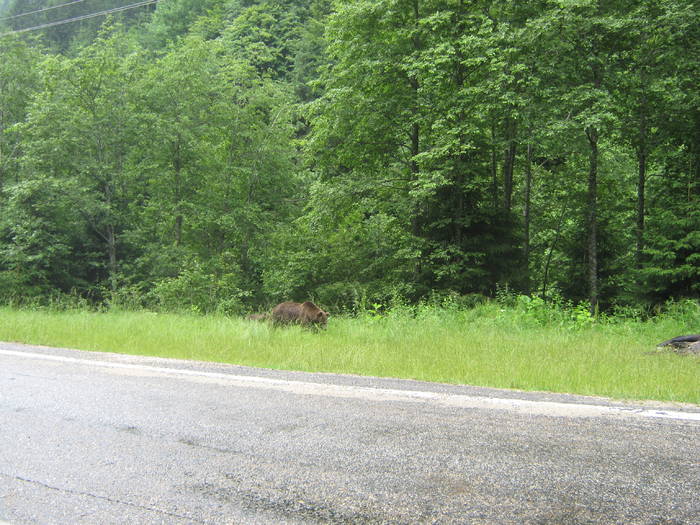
[83, 17]
[41, 10]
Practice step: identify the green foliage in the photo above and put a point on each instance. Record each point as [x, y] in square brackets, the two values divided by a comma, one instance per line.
[198, 290]
[43, 223]
[685, 312]
[264, 33]
[672, 266]
[173, 19]
[229, 154]
[19, 78]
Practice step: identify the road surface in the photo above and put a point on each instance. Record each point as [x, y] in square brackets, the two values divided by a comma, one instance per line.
[106, 438]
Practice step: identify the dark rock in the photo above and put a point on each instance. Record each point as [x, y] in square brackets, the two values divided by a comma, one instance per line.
[683, 344]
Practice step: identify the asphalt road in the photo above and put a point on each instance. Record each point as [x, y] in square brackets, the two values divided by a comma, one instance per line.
[105, 438]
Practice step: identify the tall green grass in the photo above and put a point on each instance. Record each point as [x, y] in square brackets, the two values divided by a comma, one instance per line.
[522, 347]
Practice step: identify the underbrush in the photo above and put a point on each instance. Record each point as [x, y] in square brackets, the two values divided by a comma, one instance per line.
[526, 345]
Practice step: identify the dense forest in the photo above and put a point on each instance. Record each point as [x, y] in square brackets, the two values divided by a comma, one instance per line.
[224, 155]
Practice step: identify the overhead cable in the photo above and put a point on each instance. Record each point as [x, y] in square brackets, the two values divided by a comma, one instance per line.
[83, 17]
[41, 10]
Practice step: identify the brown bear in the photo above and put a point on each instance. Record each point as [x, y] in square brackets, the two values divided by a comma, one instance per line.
[306, 314]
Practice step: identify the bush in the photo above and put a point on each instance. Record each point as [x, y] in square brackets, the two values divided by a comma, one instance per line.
[196, 290]
[685, 311]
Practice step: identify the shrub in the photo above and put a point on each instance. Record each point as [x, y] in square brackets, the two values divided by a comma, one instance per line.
[196, 290]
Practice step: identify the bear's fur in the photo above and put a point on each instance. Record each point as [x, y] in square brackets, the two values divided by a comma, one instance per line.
[306, 314]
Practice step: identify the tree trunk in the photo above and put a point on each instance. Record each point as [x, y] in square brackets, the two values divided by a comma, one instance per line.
[557, 235]
[2, 160]
[494, 171]
[413, 165]
[415, 132]
[526, 217]
[178, 229]
[508, 164]
[177, 168]
[641, 183]
[592, 208]
[112, 255]
[415, 86]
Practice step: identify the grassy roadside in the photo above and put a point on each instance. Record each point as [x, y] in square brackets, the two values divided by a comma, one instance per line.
[487, 346]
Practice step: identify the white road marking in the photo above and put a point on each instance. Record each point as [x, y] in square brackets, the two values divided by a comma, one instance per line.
[521, 406]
